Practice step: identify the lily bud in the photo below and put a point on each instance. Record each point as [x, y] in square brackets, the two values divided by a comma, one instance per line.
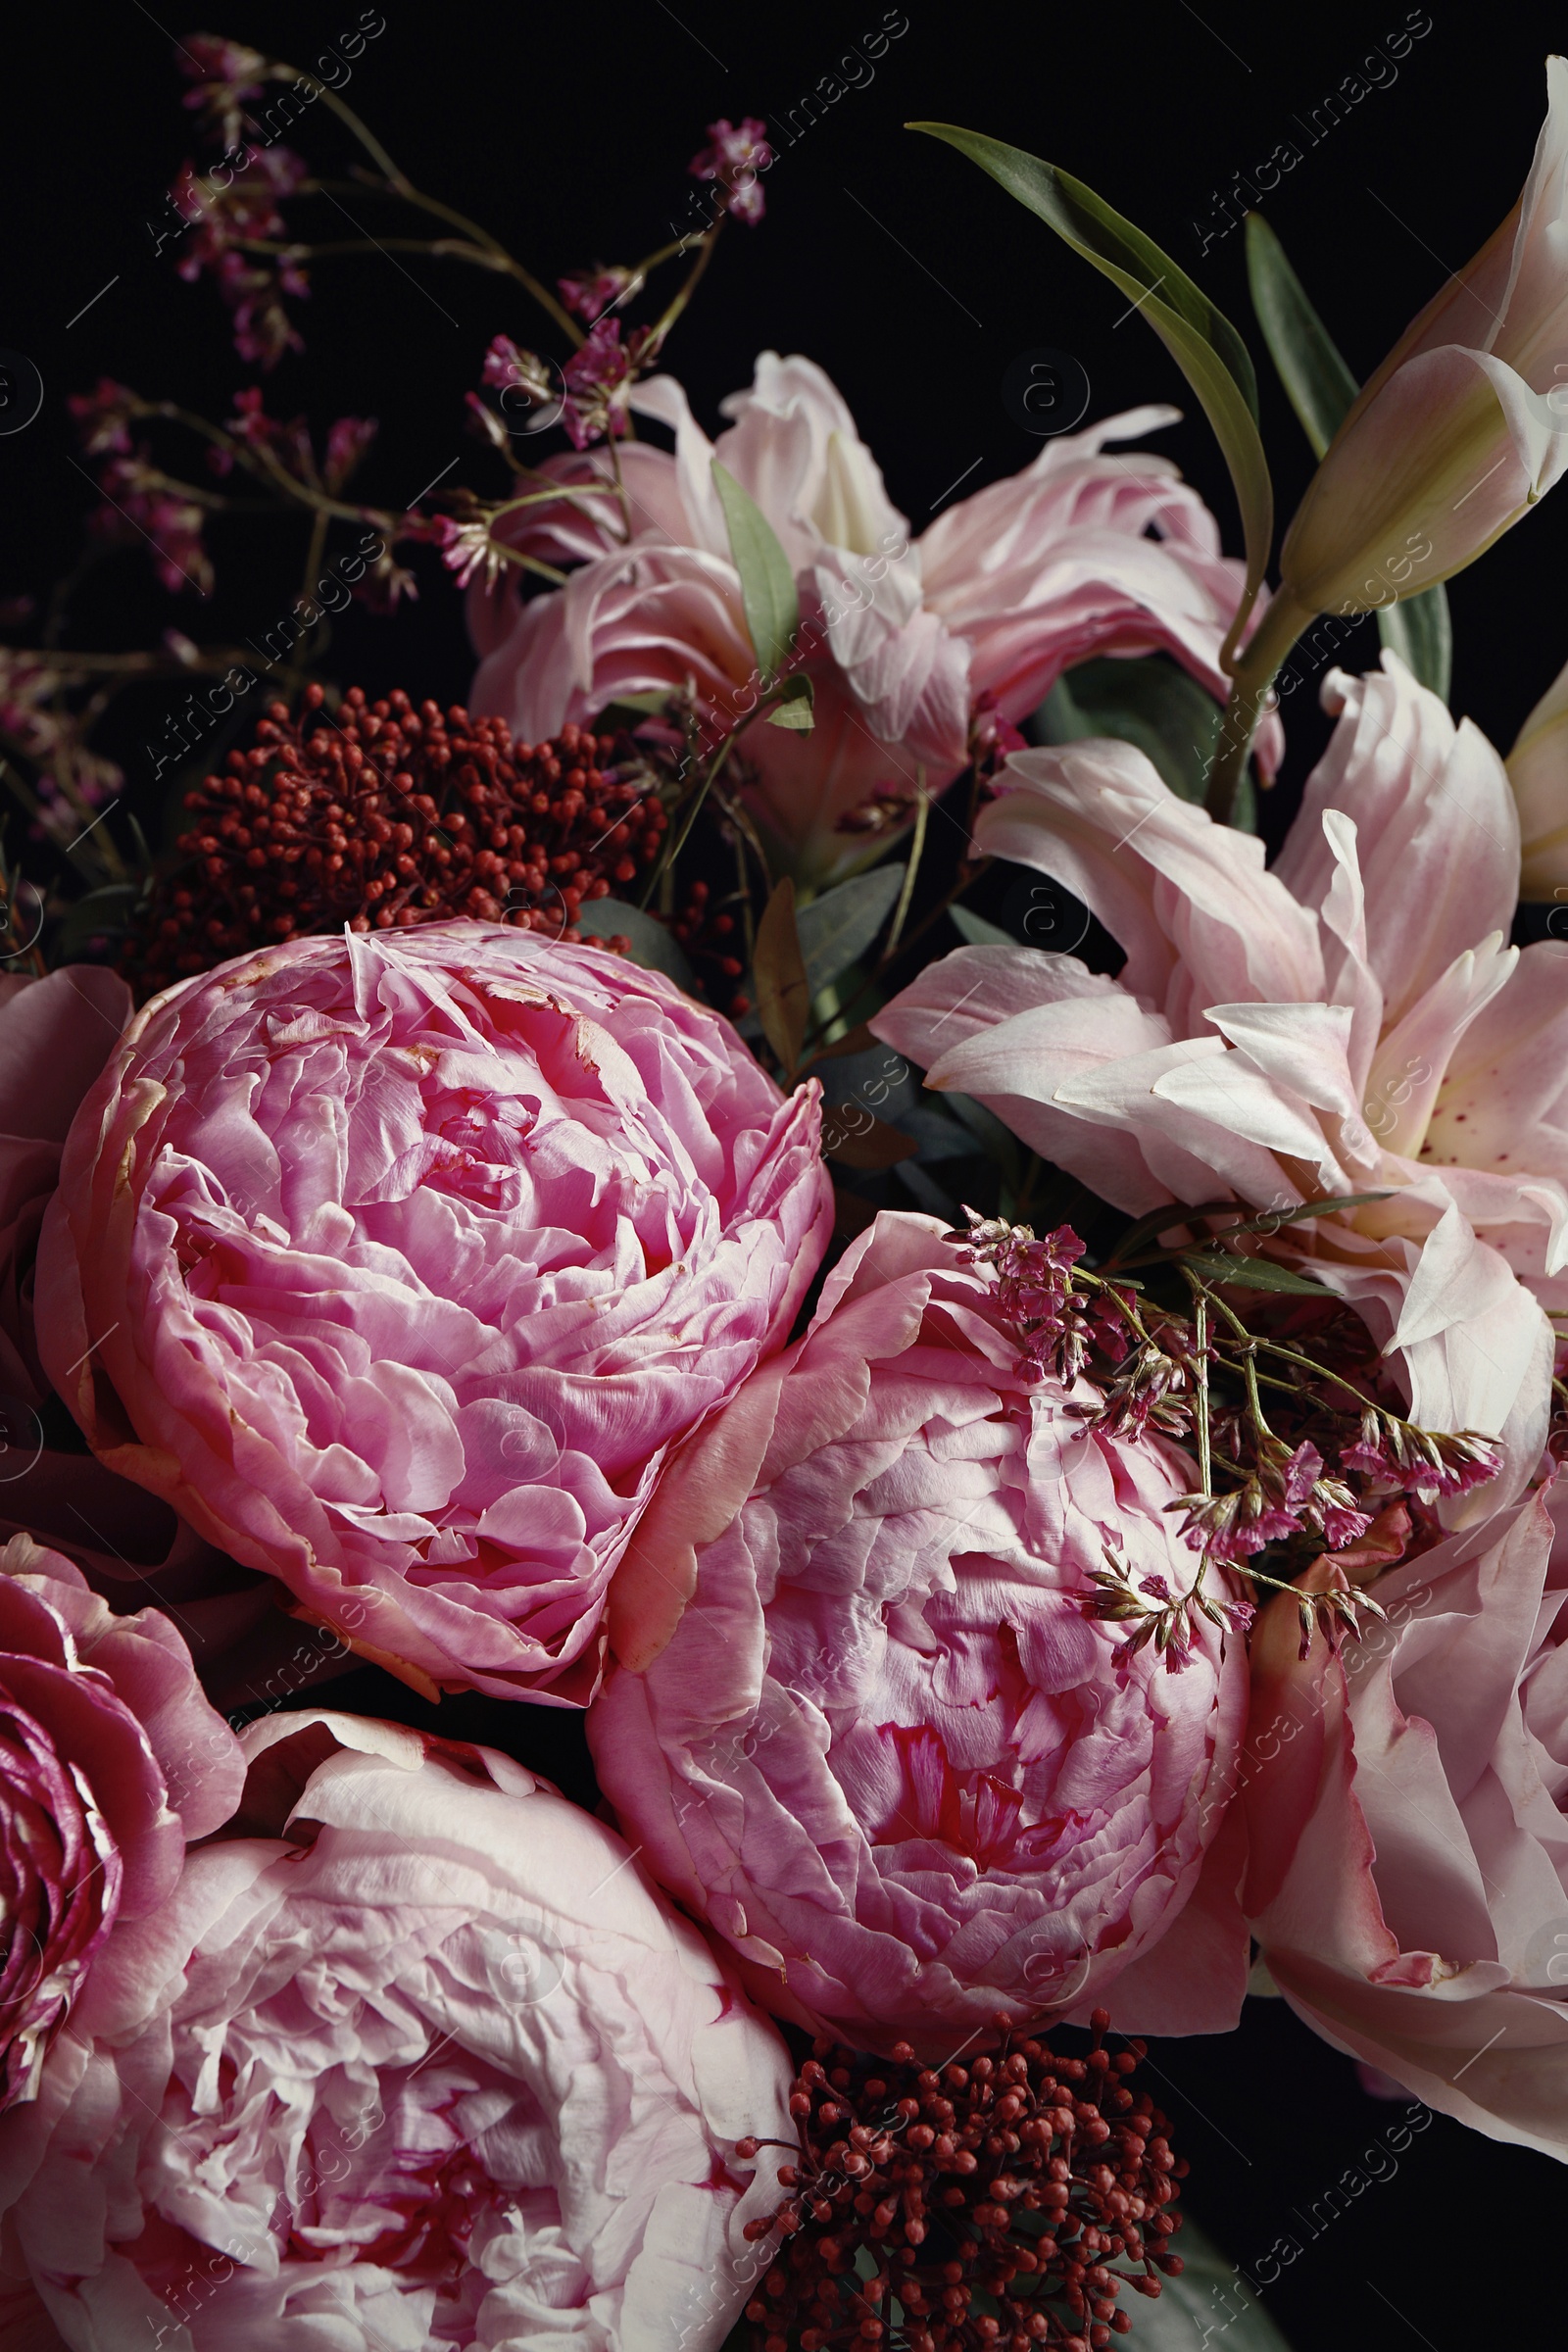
[1464, 425]
[1538, 770]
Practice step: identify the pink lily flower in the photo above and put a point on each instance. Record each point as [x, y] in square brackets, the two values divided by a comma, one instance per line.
[1465, 423]
[1350, 1021]
[904, 638]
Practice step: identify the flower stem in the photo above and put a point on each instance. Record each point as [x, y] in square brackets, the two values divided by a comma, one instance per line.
[1254, 674]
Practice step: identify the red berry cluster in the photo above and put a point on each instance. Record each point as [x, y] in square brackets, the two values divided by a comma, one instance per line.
[382, 817]
[711, 935]
[986, 2202]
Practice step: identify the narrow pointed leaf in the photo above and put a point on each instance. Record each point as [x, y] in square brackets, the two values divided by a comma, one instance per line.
[1201, 340]
[1320, 389]
[767, 584]
[1256, 1274]
[1317, 384]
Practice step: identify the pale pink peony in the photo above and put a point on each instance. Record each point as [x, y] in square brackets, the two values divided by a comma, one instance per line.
[110, 1758]
[1407, 1807]
[1352, 1021]
[397, 1262]
[55, 1037]
[414, 2058]
[906, 640]
[887, 1752]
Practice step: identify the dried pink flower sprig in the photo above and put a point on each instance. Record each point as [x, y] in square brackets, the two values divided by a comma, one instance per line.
[1203, 1379]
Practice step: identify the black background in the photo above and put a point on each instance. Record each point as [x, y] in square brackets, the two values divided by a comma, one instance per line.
[566, 130]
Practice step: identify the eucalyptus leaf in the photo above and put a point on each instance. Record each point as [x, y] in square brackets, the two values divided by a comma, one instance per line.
[1198, 336]
[976, 932]
[654, 947]
[1153, 703]
[1207, 2304]
[1321, 389]
[767, 584]
[839, 926]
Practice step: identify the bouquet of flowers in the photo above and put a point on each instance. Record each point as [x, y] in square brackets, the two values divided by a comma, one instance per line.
[788, 1185]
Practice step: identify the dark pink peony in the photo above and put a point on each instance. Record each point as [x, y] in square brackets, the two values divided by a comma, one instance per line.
[55, 1037]
[110, 1758]
[415, 2059]
[886, 1752]
[398, 1261]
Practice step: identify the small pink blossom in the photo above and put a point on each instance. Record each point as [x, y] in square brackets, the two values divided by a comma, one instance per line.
[598, 379]
[594, 291]
[736, 155]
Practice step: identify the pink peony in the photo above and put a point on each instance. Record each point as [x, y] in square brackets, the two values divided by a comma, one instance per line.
[887, 1752]
[110, 1758]
[1350, 1021]
[903, 640]
[55, 1037]
[1407, 1804]
[414, 2058]
[398, 1261]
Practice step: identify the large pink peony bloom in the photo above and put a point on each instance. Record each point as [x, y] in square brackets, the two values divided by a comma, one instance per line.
[55, 1037]
[905, 639]
[415, 2058]
[397, 1262]
[887, 1753]
[1350, 1021]
[110, 1758]
[1408, 1803]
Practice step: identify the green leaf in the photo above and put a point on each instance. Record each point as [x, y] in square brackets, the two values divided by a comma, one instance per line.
[839, 926]
[1317, 384]
[1320, 389]
[1421, 632]
[1153, 703]
[1158, 1221]
[1207, 2304]
[1201, 340]
[796, 707]
[1268, 1220]
[644, 705]
[1255, 1274]
[653, 946]
[976, 932]
[767, 584]
[783, 993]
